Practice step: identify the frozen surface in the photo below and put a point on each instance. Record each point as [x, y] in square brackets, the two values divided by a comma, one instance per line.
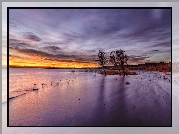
[124, 130]
[82, 99]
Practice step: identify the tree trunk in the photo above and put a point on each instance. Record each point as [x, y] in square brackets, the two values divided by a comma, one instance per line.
[104, 71]
[123, 69]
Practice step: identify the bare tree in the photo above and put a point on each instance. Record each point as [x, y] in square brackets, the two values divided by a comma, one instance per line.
[101, 60]
[119, 59]
[116, 57]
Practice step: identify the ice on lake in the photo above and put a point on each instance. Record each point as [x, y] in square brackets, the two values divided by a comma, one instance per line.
[78, 98]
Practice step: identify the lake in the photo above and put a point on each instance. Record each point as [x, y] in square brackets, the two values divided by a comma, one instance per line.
[66, 98]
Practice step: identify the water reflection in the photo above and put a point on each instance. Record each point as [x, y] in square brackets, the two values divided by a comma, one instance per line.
[80, 99]
[99, 110]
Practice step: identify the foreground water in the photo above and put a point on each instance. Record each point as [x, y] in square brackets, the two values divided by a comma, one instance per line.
[81, 99]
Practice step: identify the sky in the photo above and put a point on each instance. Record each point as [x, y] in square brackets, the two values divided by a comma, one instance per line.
[73, 37]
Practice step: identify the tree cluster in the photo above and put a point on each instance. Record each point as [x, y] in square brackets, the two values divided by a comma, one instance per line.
[117, 58]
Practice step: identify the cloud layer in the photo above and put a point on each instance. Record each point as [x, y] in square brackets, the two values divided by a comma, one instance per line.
[77, 34]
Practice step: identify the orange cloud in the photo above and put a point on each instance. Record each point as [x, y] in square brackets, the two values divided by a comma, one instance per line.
[24, 60]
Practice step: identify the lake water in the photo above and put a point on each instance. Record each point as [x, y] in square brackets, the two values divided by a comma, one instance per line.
[65, 98]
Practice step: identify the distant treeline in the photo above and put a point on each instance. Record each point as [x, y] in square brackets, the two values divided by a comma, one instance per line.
[43, 67]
